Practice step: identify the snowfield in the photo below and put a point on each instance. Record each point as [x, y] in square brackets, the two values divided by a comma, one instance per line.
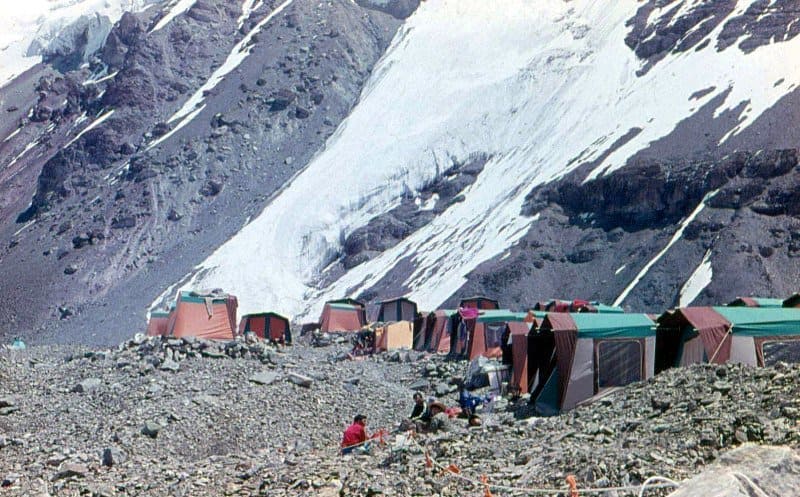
[533, 85]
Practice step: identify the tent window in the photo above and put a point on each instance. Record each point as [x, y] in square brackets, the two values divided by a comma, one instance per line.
[618, 363]
[494, 334]
[781, 351]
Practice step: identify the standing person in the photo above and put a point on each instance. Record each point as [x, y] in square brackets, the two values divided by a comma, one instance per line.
[355, 436]
[419, 406]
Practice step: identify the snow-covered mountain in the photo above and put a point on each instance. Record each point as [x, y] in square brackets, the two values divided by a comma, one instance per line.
[290, 151]
[540, 88]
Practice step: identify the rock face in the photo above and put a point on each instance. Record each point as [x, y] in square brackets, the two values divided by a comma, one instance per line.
[207, 428]
[593, 238]
[128, 190]
[736, 473]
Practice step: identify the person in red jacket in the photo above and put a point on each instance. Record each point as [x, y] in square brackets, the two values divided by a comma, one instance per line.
[355, 436]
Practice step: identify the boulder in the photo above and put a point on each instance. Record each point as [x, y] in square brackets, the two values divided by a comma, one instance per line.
[265, 378]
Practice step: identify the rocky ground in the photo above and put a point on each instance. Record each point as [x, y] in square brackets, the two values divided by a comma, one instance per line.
[193, 418]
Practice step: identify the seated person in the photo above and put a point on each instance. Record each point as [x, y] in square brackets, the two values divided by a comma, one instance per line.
[419, 407]
[469, 402]
[355, 436]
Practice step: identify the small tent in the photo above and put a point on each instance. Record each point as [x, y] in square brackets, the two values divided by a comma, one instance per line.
[438, 329]
[399, 309]
[479, 302]
[755, 336]
[157, 324]
[342, 317]
[485, 333]
[756, 302]
[394, 336]
[267, 326]
[595, 352]
[210, 315]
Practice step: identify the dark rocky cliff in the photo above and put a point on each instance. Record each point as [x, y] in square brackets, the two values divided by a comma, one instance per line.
[113, 220]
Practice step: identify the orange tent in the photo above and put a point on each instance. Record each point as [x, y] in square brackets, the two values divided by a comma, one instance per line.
[157, 324]
[204, 315]
[267, 326]
[342, 317]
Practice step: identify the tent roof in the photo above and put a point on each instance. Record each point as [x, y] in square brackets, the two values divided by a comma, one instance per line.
[758, 321]
[347, 301]
[159, 314]
[591, 325]
[270, 313]
[395, 299]
[605, 308]
[188, 296]
[499, 315]
[345, 307]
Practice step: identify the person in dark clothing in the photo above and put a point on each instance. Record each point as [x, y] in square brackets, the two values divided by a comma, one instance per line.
[419, 406]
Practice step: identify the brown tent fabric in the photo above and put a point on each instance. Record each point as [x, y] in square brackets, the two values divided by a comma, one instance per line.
[483, 303]
[204, 316]
[565, 334]
[519, 352]
[423, 331]
[339, 317]
[714, 331]
[442, 333]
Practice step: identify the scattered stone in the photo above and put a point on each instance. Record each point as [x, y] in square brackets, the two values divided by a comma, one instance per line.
[300, 380]
[151, 429]
[70, 470]
[265, 378]
[87, 385]
[112, 456]
[170, 365]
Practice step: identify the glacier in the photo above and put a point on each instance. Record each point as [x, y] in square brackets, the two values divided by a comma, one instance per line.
[532, 85]
[29, 29]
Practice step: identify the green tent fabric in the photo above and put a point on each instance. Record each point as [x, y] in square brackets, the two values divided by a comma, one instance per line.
[195, 298]
[606, 309]
[762, 321]
[499, 315]
[612, 325]
[764, 302]
[346, 307]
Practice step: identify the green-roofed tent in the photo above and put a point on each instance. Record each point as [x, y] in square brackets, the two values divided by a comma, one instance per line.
[485, 333]
[203, 314]
[158, 322]
[606, 309]
[594, 352]
[757, 336]
[342, 317]
[756, 302]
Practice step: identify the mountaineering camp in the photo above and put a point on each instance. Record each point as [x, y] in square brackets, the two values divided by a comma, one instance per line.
[558, 354]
